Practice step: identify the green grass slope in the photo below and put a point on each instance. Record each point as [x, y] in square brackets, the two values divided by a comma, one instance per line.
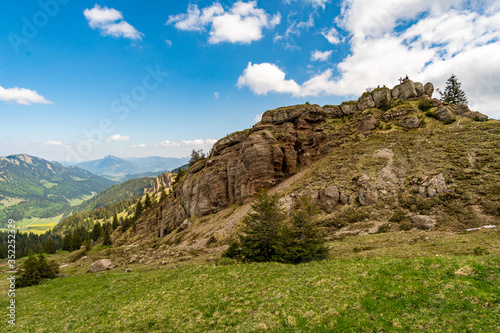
[396, 282]
[453, 294]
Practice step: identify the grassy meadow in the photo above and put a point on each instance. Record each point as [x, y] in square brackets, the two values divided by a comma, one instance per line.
[445, 285]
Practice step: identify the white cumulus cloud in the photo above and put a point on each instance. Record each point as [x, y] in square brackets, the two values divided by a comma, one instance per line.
[387, 41]
[117, 137]
[242, 23]
[331, 35]
[266, 77]
[138, 146]
[21, 96]
[110, 22]
[320, 55]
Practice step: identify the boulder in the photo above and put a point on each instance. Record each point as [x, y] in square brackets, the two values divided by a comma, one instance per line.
[101, 265]
[436, 102]
[366, 124]
[429, 89]
[381, 97]
[363, 180]
[129, 270]
[133, 259]
[348, 108]
[407, 90]
[410, 122]
[366, 101]
[329, 197]
[286, 203]
[368, 197]
[463, 110]
[423, 221]
[419, 88]
[344, 197]
[444, 113]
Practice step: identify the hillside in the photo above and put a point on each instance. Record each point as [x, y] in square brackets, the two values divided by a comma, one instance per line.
[393, 160]
[116, 193]
[33, 187]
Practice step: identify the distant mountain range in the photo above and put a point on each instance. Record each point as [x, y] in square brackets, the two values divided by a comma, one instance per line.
[33, 187]
[134, 167]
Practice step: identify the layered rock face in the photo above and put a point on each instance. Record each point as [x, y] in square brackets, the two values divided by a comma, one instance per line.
[164, 180]
[272, 150]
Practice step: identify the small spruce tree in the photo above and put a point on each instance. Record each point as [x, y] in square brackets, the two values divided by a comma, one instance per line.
[163, 194]
[106, 238]
[34, 270]
[303, 241]
[50, 246]
[138, 209]
[68, 241]
[453, 92]
[97, 231]
[115, 221]
[147, 201]
[88, 246]
[77, 241]
[262, 231]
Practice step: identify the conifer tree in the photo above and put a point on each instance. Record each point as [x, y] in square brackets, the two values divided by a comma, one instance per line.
[163, 194]
[263, 230]
[96, 232]
[138, 209]
[50, 246]
[77, 241]
[2, 253]
[453, 92]
[147, 201]
[115, 222]
[88, 246]
[303, 241]
[106, 239]
[68, 242]
[34, 270]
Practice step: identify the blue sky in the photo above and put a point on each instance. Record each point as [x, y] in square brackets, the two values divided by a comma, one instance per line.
[83, 79]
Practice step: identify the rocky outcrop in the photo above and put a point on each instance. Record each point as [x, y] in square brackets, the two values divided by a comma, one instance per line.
[288, 138]
[464, 111]
[410, 122]
[435, 185]
[423, 221]
[429, 89]
[101, 265]
[367, 194]
[164, 180]
[444, 113]
[329, 198]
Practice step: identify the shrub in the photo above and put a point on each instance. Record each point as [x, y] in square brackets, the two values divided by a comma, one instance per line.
[384, 228]
[449, 121]
[425, 105]
[430, 114]
[398, 216]
[406, 225]
[35, 270]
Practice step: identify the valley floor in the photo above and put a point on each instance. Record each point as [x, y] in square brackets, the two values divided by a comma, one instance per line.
[371, 283]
